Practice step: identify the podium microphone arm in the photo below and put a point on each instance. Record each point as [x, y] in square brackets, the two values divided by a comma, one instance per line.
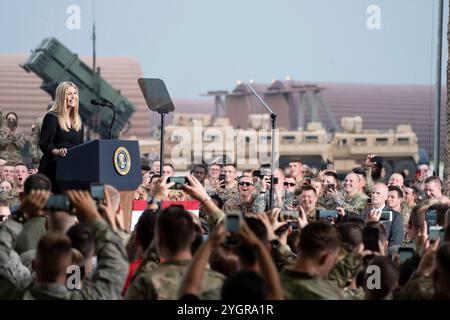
[273, 116]
[106, 103]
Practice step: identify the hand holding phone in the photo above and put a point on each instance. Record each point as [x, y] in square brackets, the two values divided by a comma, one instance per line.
[326, 214]
[282, 229]
[405, 253]
[233, 222]
[222, 181]
[289, 214]
[58, 202]
[97, 192]
[178, 182]
[386, 216]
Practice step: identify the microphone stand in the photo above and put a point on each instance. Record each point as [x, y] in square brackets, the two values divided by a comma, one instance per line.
[273, 116]
[161, 143]
[106, 103]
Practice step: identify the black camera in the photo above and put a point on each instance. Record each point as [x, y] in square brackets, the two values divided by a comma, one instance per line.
[58, 202]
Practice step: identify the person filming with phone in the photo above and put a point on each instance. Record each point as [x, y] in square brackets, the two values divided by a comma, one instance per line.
[349, 201]
[12, 140]
[379, 211]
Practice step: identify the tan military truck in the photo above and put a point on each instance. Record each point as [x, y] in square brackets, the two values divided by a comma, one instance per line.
[197, 138]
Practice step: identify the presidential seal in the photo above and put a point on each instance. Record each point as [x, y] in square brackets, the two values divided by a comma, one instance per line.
[122, 161]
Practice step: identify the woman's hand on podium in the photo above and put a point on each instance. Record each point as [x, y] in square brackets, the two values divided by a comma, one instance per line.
[59, 152]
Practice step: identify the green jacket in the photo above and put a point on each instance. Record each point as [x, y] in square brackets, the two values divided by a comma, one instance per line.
[164, 282]
[105, 283]
[303, 286]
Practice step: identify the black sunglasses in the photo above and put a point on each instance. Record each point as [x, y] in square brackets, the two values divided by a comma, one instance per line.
[247, 184]
[288, 184]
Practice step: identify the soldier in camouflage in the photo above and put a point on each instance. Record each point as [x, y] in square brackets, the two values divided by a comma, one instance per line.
[245, 202]
[12, 140]
[318, 249]
[349, 199]
[372, 169]
[282, 198]
[50, 282]
[228, 188]
[175, 234]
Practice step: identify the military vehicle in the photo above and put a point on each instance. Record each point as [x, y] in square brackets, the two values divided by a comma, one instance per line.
[54, 63]
[197, 138]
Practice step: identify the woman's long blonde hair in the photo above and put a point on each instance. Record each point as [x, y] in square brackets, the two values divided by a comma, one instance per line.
[66, 120]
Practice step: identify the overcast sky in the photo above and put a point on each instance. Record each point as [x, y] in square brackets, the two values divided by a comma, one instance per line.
[200, 45]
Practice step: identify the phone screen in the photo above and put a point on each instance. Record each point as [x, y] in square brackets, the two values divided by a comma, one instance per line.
[289, 214]
[386, 216]
[431, 218]
[179, 181]
[434, 233]
[233, 223]
[98, 191]
[58, 202]
[405, 254]
[327, 214]
[222, 178]
[370, 239]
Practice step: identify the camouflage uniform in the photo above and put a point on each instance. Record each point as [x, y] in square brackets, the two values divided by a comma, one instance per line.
[214, 218]
[405, 210]
[369, 181]
[36, 153]
[9, 198]
[226, 194]
[345, 270]
[14, 276]
[304, 286]
[235, 204]
[11, 145]
[106, 282]
[325, 202]
[418, 287]
[352, 205]
[355, 294]
[261, 203]
[283, 256]
[164, 282]
[312, 214]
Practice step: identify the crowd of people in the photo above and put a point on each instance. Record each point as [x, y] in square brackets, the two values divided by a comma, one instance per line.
[321, 236]
[319, 240]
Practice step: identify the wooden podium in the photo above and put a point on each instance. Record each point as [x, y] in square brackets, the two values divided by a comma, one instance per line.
[113, 162]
